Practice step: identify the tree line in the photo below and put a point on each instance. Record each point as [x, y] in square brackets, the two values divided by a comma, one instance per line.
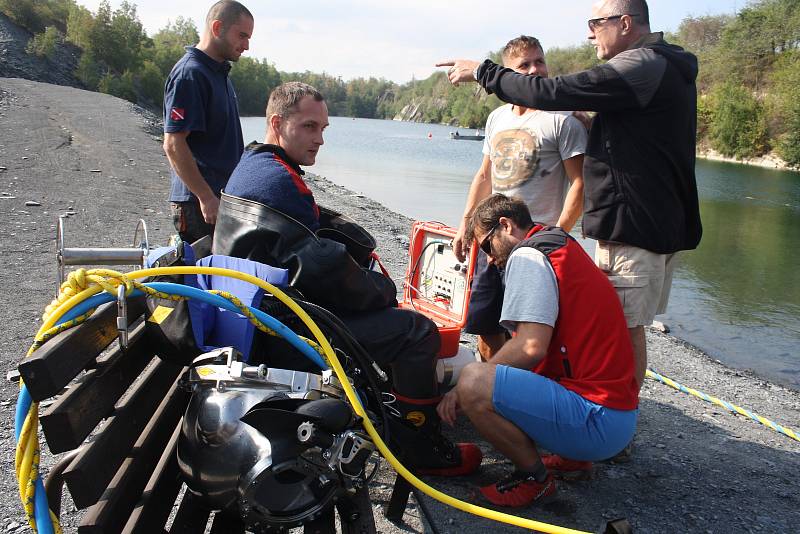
[749, 82]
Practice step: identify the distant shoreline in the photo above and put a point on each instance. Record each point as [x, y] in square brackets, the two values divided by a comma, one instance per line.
[768, 161]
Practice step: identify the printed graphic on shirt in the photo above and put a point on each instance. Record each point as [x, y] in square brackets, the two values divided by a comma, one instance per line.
[177, 114]
[515, 158]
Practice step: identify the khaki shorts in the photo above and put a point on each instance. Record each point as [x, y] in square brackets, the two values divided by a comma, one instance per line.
[642, 279]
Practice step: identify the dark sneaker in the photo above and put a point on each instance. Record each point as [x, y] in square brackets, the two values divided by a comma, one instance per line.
[566, 469]
[452, 459]
[519, 489]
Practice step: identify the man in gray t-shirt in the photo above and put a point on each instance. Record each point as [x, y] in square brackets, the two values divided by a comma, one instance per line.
[536, 156]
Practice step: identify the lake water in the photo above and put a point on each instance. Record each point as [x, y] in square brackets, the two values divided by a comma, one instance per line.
[737, 297]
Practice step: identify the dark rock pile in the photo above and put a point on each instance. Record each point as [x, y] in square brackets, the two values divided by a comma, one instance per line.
[15, 62]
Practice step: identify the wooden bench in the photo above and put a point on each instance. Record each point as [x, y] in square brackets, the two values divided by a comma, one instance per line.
[116, 418]
[129, 401]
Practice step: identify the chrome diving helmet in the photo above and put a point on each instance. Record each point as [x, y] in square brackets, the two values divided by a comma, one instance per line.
[277, 447]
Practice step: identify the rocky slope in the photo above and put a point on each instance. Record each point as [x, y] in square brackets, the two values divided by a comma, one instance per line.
[16, 63]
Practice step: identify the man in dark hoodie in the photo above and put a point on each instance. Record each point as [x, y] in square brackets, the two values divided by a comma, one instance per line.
[640, 194]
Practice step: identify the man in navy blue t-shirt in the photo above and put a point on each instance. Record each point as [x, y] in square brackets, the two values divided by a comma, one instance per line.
[202, 133]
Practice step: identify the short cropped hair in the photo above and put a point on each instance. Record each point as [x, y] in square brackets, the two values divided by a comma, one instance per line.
[284, 99]
[227, 11]
[518, 45]
[633, 7]
[488, 212]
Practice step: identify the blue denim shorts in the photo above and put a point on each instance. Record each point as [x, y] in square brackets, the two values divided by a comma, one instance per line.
[558, 419]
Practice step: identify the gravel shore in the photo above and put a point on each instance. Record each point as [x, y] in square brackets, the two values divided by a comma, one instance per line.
[695, 467]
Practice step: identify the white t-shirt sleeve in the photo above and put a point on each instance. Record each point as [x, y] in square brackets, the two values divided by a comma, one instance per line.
[572, 138]
[531, 290]
[488, 131]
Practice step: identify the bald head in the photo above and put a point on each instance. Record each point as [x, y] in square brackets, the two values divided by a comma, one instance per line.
[228, 12]
[229, 26]
[616, 25]
[632, 7]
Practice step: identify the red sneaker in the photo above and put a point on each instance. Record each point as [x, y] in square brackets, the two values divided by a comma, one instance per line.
[461, 459]
[519, 489]
[566, 469]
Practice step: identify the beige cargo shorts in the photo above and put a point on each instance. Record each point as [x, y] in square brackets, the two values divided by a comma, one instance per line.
[642, 279]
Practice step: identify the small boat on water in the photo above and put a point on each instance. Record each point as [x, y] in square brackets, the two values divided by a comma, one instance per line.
[478, 136]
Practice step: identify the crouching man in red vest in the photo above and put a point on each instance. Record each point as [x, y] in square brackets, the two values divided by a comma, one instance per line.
[565, 381]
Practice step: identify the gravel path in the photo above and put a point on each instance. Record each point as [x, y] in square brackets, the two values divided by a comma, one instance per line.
[696, 468]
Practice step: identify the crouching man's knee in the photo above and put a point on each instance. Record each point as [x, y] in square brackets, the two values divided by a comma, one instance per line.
[476, 386]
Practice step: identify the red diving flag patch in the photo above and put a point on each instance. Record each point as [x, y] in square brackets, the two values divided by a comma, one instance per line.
[177, 114]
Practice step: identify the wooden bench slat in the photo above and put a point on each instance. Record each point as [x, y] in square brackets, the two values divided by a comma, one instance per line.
[192, 516]
[60, 360]
[125, 490]
[152, 511]
[73, 416]
[92, 470]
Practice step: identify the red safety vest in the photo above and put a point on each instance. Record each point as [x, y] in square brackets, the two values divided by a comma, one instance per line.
[590, 352]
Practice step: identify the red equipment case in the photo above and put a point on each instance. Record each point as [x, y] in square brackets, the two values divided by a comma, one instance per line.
[436, 283]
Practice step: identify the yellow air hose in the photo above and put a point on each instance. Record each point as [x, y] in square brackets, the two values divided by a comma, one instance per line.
[55, 314]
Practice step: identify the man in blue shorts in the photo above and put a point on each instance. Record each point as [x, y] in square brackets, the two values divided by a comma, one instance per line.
[202, 133]
[565, 380]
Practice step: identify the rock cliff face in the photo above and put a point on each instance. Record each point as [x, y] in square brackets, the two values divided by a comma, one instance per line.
[16, 63]
[410, 113]
[418, 108]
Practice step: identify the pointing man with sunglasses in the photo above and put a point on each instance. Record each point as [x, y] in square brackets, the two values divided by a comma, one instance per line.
[565, 381]
[640, 194]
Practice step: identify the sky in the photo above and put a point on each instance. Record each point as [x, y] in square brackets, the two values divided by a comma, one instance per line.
[403, 40]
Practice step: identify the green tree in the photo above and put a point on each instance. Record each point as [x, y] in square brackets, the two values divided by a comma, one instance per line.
[705, 117]
[254, 79]
[36, 15]
[739, 128]
[45, 44]
[116, 38]
[701, 36]
[751, 43]
[79, 24]
[88, 71]
[151, 84]
[169, 43]
[784, 107]
[119, 86]
[570, 59]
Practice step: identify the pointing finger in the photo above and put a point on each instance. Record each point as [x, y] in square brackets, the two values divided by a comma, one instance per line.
[449, 63]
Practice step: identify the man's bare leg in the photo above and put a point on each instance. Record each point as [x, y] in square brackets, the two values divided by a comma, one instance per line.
[639, 342]
[475, 390]
[489, 344]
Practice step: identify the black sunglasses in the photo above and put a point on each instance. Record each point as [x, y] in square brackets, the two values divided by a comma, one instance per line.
[486, 242]
[594, 23]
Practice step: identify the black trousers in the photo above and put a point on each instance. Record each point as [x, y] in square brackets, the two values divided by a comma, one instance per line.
[404, 341]
[189, 222]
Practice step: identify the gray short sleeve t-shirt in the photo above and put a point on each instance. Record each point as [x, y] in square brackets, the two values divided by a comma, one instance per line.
[527, 152]
[531, 290]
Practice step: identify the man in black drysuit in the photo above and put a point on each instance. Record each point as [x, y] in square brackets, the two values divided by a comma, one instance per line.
[268, 214]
